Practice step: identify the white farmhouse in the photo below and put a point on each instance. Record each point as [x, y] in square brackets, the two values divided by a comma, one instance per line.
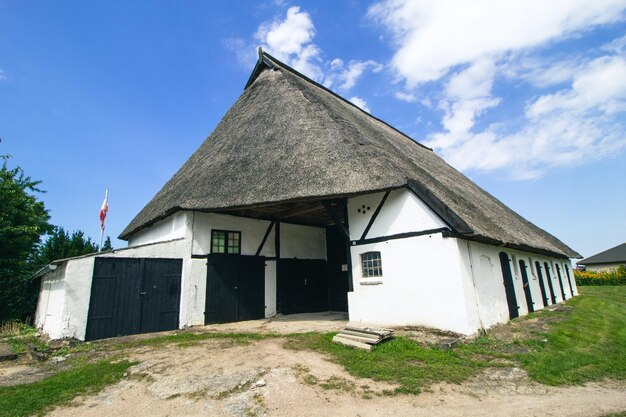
[300, 201]
[607, 260]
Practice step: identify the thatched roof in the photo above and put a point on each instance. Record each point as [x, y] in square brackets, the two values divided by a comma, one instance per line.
[288, 138]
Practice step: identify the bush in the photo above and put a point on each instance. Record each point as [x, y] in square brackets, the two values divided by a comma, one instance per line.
[613, 277]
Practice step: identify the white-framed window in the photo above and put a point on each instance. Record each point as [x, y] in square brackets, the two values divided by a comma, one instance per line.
[371, 265]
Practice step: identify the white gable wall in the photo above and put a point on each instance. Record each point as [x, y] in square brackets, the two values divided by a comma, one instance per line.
[429, 280]
[402, 212]
[422, 282]
[172, 227]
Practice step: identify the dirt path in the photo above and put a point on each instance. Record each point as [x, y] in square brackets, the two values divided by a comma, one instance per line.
[222, 378]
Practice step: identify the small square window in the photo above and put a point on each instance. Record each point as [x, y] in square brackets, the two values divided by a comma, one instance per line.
[225, 241]
[371, 264]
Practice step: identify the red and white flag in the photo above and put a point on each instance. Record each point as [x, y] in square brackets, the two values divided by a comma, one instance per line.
[104, 209]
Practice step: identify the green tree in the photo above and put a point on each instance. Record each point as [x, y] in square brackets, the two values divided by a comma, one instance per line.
[61, 244]
[107, 244]
[23, 220]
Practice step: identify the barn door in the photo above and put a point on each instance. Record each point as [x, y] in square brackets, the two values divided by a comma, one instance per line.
[160, 295]
[509, 286]
[569, 280]
[549, 278]
[558, 274]
[542, 285]
[338, 275]
[302, 286]
[527, 293]
[235, 288]
[133, 295]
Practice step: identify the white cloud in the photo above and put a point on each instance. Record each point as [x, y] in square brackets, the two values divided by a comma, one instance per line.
[434, 36]
[354, 71]
[360, 103]
[541, 73]
[565, 128]
[2, 75]
[600, 85]
[344, 77]
[617, 46]
[460, 49]
[405, 96]
[466, 95]
[291, 41]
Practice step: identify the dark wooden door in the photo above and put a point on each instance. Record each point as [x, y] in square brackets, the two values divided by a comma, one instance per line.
[133, 295]
[302, 286]
[549, 279]
[235, 288]
[542, 285]
[509, 287]
[558, 274]
[527, 293]
[337, 272]
[160, 295]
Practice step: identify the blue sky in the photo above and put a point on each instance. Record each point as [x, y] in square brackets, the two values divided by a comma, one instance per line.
[526, 98]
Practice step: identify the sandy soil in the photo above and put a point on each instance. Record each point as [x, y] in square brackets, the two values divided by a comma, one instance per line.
[222, 378]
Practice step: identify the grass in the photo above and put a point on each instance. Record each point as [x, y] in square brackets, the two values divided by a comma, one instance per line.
[37, 397]
[585, 343]
[589, 345]
[399, 361]
[19, 335]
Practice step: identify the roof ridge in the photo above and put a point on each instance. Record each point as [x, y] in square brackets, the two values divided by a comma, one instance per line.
[599, 255]
[270, 62]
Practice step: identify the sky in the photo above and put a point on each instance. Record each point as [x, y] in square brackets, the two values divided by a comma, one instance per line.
[528, 99]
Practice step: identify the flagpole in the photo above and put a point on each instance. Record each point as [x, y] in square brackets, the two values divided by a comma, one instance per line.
[101, 236]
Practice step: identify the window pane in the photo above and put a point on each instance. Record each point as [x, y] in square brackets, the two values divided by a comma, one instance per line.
[371, 264]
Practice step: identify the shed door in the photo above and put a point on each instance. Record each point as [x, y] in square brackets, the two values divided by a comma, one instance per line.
[133, 295]
[542, 285]
[558, 274]
[550, 286]
[509, 286]
[302, 286]
[235, 289]
[527, 292]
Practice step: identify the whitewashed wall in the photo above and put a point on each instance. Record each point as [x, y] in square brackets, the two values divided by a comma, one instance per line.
[51, 303]
[172, 227]
[482, 263]
[422, 282]
[602, 267]
[402, 212]
[429, 280]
